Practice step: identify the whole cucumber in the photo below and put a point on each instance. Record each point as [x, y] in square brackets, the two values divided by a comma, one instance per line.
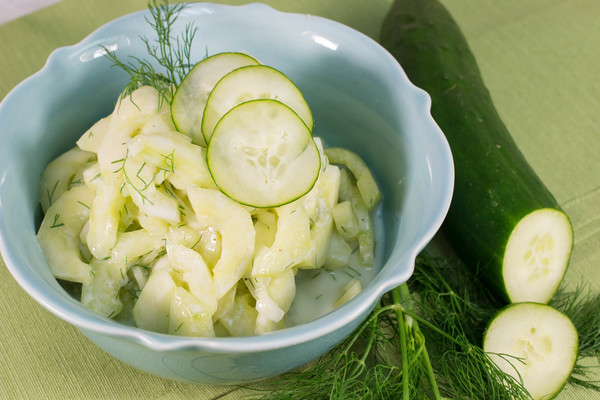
[503, 221]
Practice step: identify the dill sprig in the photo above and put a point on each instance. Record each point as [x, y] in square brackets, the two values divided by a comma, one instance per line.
[421, 342]
[170, 56]
[358, 368]
[453, 309]
[172, 53]
[581, 306]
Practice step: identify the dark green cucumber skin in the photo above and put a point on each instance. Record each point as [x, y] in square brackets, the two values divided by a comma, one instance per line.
[495, 187]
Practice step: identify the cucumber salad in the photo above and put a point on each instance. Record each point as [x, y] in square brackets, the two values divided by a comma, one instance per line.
[194, 217]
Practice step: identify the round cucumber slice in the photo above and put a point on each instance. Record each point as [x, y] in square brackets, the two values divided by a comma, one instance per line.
[252, 83]
[187, 107]
[263, 155]
[545, 341]
[537, 255]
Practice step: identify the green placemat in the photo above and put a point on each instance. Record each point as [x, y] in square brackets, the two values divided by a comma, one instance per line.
[539, 59]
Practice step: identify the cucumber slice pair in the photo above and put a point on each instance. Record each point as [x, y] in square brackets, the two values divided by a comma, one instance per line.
[189, 102]
[256, 125]
[544, 342]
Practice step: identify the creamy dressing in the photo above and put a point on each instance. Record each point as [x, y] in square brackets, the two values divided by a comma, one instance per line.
[317, 290]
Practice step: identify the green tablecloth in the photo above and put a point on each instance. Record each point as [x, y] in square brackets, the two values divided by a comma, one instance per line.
[540, 60]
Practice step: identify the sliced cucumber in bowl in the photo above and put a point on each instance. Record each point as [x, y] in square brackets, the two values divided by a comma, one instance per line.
[534, 343]
[256, 126]
[262, 154]
[251, 83]
[189, 101]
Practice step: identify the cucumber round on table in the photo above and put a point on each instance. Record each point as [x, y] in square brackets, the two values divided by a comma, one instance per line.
[251, 83]
[262, 154]
[543, 342]
[189, 101]
[503, 221]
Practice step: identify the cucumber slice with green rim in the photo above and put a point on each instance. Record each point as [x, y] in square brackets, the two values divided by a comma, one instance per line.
[252, 83]
[544, 340]
[263, 155]
[187, 107]
[536, 256]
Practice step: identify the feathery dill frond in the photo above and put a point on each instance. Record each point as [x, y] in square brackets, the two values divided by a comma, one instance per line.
[582, 306]
[170, 56]
[416, 344]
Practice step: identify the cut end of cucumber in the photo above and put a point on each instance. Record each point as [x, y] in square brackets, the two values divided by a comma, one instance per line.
[544, 340]
[537, 255]
[263, 155]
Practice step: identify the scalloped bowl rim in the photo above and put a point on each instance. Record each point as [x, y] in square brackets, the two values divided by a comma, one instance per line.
[308, 331]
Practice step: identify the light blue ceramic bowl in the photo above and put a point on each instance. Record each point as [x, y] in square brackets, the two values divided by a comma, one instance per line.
[361, 100]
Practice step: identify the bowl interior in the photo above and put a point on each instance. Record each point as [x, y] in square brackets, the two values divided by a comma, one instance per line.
[359, 96]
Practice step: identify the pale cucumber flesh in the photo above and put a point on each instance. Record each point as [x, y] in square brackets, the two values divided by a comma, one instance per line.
[364, 179]
[537, 255]
[543, 339]
[252, 83]
[190, 99]
[263, 155]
